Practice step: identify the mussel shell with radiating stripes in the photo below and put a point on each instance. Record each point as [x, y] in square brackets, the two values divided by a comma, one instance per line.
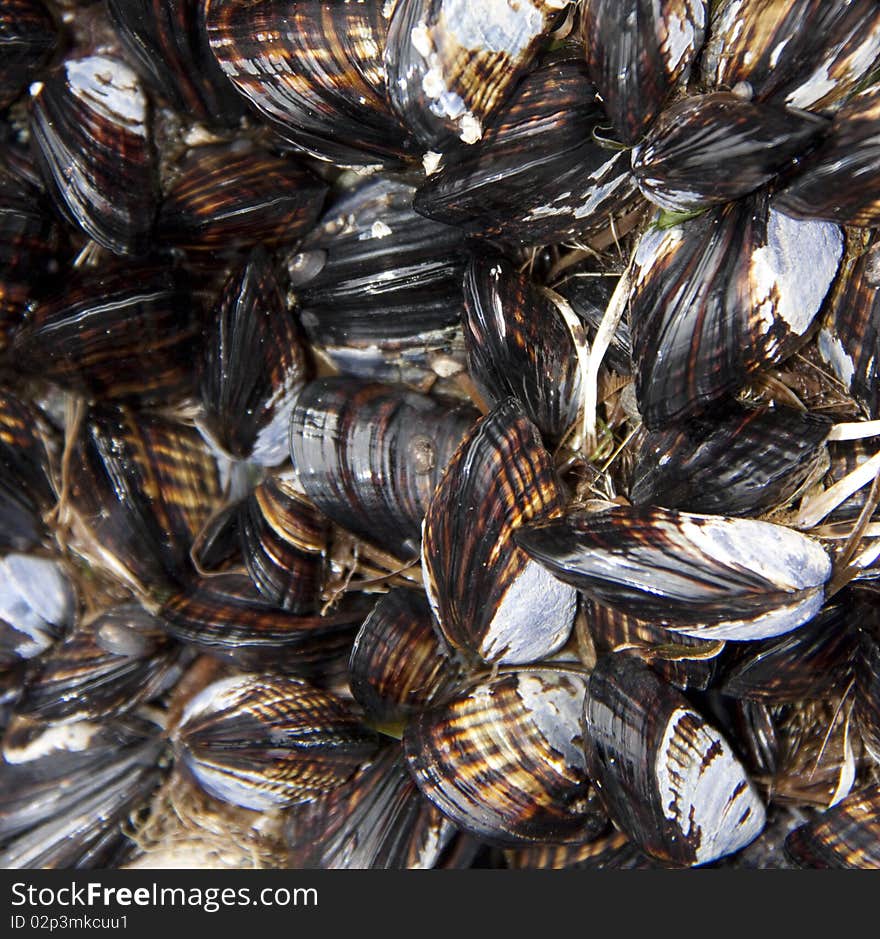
[450, 64]
[227, 198]
[314, 71]
[253, 364]
[504, 760]
[490, 599]
[846, 836]
[379, 286]
[637, 50]
[711, 577]
[709, 149]
[718, 297]
[741, 462]
[867, 669]
[28, 36]
[370, 455]
[377, 820]
[537, 176]
[398, 666]
[671, 782]
[91, 133]
[263, 742]
[519, 345]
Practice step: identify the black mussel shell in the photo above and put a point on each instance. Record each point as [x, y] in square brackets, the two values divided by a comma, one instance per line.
[451, 64]
[814, 661]
[849, 340]
[504, 760]
[846, 836]
[168, 41]
[91, 133]
[867, 669]
[314, 71]
[379, 287]
[370, 456]
[801, 53]
[671, 782]
[26, 490]
[28, 36]
[490, 599]
[37, 605]
[253, 365]
[637, 51]
[720, 296]
[589, 294]
[124, 333]
[227, 198]
[377, 820]
[398, 666]
[217, 547]
[263, 742]
[708, 576]
[681, 660]
[224, 616]
[741, 462]
[537, 176]
[66, 790]
[839, 182]
[714, 148]
[143, 486]
[284, 540]
[519, 345]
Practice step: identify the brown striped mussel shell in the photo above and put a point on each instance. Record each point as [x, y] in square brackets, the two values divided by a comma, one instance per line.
[28, 37]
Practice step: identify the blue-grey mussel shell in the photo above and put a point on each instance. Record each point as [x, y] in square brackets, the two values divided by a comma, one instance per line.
[377, 820]
[91, 133]
[370, 455]
[718, 297]
[314, 70]
[253, 365]
[670, 781]
[537, 176]
[714, 148]
[28, 37]
[637, 51]
[263, 742]
[504, 760]
[492, 602]
[711, 577]
[379, 287]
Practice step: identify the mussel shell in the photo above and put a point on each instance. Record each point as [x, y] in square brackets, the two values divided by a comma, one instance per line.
[169, 43]
[28, 37]
[37, 605]
[670, 781]
[839, 181]
[370, 455]
[867, 669]
[710, 577]
[537, 176]
[225, 617]
[91, 134]
[520, 346]
[491, 601]
[846, 836]
[398, 666]
[124, 333]
[504, 760]
[314, 71]
[714, 148]
[379, 286]
[227, 198]
[450, 64]
[741, 462]
[143, 486]
[800, 53]
[718, 297]
[637, 50]
[611, 850]
[253, 364]
[263, 742]
[377, 820]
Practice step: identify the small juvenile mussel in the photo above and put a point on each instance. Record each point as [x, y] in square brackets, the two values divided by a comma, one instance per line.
[440, 434]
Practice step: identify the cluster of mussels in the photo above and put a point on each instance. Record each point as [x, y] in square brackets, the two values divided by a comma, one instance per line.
[438, 433]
